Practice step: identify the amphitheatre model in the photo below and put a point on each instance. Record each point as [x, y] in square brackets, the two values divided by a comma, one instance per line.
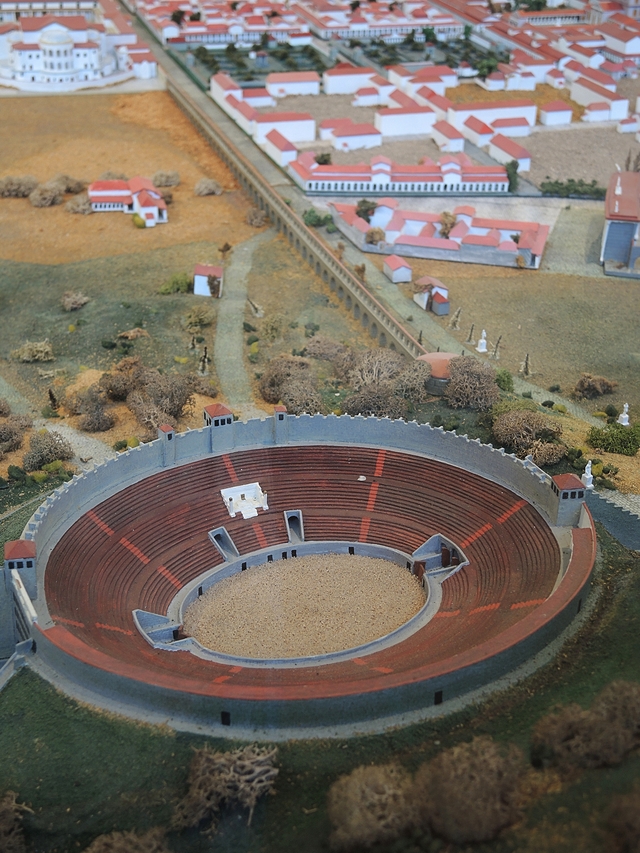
[108, 565]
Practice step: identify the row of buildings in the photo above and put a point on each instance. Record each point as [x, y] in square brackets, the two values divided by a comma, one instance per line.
[472, 239]
[94, 47]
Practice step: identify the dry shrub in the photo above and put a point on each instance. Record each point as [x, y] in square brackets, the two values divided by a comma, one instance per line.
[91, 405]
[343, 363]
[376, 365]
[256, 217]
[73, 301]
[80, 203]
[447, 222]
[518, 430]
[207, 186]
[170, 392]
[378, 400]
[571, 738]
[166, 179]
[411, 383]
[113, 176]
[374, 236]
[167, 195]
[546, 452]
[126, 376]
[469, 792]
[148, 413]
[472, 384]
[47, 195]
[624, 822]
[34, 351]
[17, 186]
[12, 838]
[134, 334]
[70, 185]
[5, 408]
[272, 327]
[128, 842]
[199, 385]
[45, 447]
[371, 806]
[301, 397]
[279, 373]
[324, 348]
[12, 432]
[361, 271]
[589, 386]
[217, 779]
[198, 318]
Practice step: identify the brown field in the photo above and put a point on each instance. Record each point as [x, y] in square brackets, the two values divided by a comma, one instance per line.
[544, 94]
[87, 135]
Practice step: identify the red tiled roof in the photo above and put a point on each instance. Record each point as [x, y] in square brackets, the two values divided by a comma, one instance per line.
[356, 130]
[19, 549]
[280, 142]
[71, 22]
[556, 107]
[343, 70]
[206, 269]
[105, 186]
[567, 481]
[509, 146]
[394, 262]
[276, 117]
[293, 77]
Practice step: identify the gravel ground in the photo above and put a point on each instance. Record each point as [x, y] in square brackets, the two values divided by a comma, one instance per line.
[308, 606]
[584, 151]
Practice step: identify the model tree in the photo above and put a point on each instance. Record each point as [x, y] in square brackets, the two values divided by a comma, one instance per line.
[472, 384]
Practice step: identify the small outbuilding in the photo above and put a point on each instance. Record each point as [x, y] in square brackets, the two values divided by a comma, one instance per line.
[397, 269]
[207, 280]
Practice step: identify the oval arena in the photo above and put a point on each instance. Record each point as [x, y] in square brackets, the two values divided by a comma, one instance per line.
[108, 564]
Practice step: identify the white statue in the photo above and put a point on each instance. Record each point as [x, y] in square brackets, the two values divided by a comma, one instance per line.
[623, 418]
[482, 343]
[587, 477]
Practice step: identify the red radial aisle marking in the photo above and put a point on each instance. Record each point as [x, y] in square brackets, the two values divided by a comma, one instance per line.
[262, 539]
[364, 529]
[228, 464]
[67, 621]
[358, 661]
[480, 532]
[383, 669]
[222, 678]
[441, 613]
[510, 512]
[531, 603]
[100, 523]
[169, 576]
[485, 607]
[135, 551]
[373, 494]
[380, 463]
[113, 628]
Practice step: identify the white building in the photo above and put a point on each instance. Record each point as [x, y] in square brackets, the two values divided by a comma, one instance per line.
[447, 137]
[504, 150]
[296, 127]
[61, 54]
[279, 149]
[397, 269]
[556, 113]
[138, 195]
[281, 84]
[349, 137]
[490, 112]
[346, 79]
[405, 121]
[586, 92]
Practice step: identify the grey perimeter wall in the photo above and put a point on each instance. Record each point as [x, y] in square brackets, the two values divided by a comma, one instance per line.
[76, 497]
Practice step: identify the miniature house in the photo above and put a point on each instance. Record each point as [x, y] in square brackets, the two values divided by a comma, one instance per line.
[246, 500]
[207, 280]
[397, 269]
[217, 415]
[432, 296]
[440, 375]
[570, 492]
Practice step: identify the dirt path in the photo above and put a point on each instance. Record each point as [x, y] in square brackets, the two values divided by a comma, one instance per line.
[229, 342]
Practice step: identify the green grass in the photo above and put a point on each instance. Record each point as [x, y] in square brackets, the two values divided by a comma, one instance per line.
[85, 773]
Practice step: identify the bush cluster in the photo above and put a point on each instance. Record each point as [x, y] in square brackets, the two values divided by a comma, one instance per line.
[573, 189]
[472, 384]
[45, 447]
[615, 438]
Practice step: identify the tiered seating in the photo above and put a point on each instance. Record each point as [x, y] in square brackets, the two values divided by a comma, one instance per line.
[93, 581]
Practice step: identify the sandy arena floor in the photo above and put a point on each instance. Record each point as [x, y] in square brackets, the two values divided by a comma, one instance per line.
[308, 606]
